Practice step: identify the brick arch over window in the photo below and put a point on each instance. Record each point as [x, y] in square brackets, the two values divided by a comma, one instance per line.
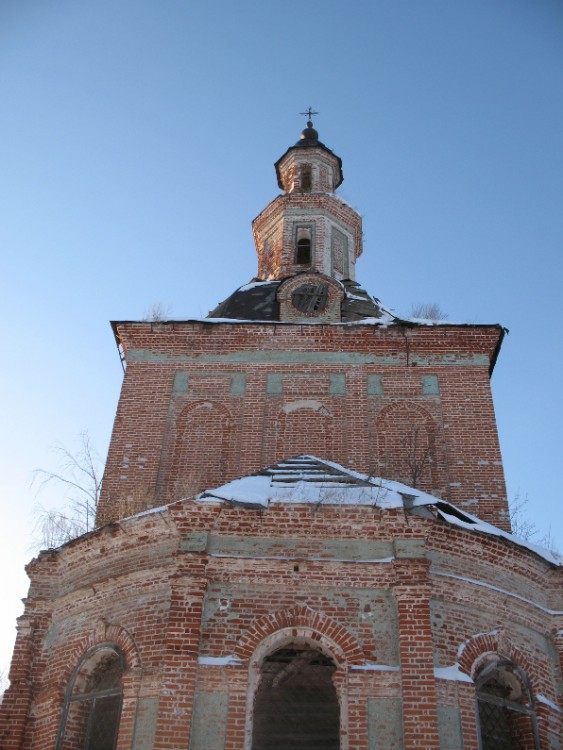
[203, 436]
[305, 427]
[102, 633]
[408, 447]
[496, 642]
[329, 633]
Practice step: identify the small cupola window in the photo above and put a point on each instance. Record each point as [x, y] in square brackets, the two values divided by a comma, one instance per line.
[306, 179]
[303, 252]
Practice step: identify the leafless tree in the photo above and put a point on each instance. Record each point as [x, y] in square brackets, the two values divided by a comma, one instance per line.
[521, 523]
[428, 311]
[418, 447]
[157, 312]
[4, 683]
[80, 474]
[524, 527]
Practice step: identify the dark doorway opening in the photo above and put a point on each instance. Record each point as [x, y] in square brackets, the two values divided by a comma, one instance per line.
[296, 705]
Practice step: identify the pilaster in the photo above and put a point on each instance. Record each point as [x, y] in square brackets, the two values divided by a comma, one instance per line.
[412, 591]
[179, 667]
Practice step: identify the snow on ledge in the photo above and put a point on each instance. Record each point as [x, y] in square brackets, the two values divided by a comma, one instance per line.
[219, 661]
[452, 673]
[505, 592]
[542, 699]
[370, 667]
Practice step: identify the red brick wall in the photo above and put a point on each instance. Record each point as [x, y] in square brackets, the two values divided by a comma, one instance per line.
[249, 395]
[188, 582]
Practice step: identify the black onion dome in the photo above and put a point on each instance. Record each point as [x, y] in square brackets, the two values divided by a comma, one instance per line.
[309, 135]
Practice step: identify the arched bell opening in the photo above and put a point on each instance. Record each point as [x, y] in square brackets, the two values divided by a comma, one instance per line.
[296, 703]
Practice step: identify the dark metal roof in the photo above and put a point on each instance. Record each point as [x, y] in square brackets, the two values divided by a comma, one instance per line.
[253, 301]
[257, 301]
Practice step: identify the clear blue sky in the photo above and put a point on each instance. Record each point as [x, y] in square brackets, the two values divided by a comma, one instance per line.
[137, 142]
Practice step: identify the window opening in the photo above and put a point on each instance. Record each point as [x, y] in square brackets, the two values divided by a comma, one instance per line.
[506, 714]
[306, 179]
[296, 705]
[93, 701]
[304, 251]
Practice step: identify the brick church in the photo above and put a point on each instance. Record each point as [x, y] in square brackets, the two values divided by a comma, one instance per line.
[303, 541]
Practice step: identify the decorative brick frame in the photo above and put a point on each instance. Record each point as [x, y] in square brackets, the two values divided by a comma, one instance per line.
[472, 653]
[303, 624]
[326, 630]
[434, 475]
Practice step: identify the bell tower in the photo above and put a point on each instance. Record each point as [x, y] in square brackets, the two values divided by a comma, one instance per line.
[308, 228]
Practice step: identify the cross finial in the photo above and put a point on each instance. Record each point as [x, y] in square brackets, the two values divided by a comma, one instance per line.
[309, 113]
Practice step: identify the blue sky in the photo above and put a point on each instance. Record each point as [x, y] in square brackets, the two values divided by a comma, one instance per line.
[137, 143]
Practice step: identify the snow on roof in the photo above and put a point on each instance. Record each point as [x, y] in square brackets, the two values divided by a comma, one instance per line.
[311, 480]
[307, 479]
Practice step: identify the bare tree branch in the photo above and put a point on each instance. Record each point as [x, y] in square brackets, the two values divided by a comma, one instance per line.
[428, 311]
[80, 473]
[157, 312]
[4, 683]
[418, 453]
[524, 527]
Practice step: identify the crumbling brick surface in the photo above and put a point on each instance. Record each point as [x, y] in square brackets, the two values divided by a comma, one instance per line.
[206, 402]
[197, 609]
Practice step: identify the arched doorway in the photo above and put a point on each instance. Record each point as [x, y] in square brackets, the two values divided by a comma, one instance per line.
[296, 705]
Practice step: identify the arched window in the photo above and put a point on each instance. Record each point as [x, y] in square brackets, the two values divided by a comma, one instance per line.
[296, 705]
[507, 719]
[93, 701]
[303, 251]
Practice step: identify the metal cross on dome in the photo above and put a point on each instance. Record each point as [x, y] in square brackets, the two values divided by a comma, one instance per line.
[309, 113]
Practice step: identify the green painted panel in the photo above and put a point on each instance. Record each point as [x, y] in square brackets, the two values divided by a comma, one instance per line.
[274, 382]
[146, 717]
[449, 728]
[430, 385]
[385, 724]
[194, 542]
[337, 385]
[409, 548]
[238, 384]
[347, 549]
[238, 381]
[209, 721]
[307, 358]
[180, 382]
[375, 385]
